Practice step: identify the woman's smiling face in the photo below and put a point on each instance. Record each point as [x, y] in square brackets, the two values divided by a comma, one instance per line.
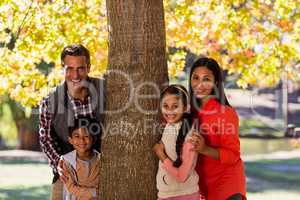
[202, 82]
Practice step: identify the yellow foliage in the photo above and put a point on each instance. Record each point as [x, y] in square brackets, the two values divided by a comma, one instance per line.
[41, 30]
[257, 39]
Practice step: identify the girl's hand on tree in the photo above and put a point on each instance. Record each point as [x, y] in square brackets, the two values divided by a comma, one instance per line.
[159, 149]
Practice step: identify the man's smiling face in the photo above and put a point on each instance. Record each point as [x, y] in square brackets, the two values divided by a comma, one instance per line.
[76, 71]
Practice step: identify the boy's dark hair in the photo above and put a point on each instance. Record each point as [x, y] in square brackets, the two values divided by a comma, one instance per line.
[93, 127]
[75, 50]
[186, 125]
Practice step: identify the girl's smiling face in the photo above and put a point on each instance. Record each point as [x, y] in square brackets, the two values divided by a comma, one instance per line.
[172, 108]
[202, 82]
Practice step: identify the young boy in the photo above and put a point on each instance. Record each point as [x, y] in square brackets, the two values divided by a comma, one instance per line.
[81, 167]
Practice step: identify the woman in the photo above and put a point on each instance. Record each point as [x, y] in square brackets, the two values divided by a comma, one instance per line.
[219, 165]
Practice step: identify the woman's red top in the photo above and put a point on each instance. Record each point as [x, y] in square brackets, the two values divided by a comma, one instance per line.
[219, 179]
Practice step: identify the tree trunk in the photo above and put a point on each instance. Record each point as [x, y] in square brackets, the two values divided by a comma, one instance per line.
[28, 139]
[137, 70]
[27, 126]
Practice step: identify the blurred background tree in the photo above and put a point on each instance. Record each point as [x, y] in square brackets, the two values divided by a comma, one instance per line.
[259, 40]
[32, 35]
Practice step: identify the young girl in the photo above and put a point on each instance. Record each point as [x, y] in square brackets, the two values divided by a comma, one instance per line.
[81, 167]
[219, 163]
[176, 177]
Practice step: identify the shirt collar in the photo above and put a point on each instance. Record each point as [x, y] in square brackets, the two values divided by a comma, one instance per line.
[87, 99]
[210, 107]
[87, 161]
[175, 125]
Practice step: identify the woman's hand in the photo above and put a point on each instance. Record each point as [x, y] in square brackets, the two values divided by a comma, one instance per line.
[200, 147]
[199, 142]
[159, 150]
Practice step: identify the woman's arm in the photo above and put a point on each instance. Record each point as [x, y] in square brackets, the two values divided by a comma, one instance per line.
[230, 143]
[229, 150]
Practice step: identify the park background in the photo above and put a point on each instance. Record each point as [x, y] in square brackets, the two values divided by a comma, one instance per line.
[256, 42]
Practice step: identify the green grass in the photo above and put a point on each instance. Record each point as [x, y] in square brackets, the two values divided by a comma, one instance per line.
[273, 179]
[20, 192]
[294, 161]
[265, 173]
[252, 146]
[254, 127]
[276, 170]
[26, 180]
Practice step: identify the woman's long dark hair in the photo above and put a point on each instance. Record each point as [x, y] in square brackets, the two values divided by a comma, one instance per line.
[186, 125]
[218, 90]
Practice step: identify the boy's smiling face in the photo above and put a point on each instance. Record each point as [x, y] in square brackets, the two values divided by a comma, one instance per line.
[82, 142]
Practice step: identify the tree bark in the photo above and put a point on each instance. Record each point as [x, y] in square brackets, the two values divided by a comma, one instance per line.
[28, 139]
[137, 69]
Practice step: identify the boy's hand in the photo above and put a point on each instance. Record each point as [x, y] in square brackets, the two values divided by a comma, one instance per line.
[159, 149]
[62, 171]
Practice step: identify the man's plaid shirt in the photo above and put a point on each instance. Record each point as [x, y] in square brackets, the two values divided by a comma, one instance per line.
[48, 143]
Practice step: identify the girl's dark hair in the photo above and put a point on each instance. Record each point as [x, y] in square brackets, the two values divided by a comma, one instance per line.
[218, 90]
[183, 131]
[186, 125]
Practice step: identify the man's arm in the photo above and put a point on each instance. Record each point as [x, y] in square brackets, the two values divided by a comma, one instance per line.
[47, 142]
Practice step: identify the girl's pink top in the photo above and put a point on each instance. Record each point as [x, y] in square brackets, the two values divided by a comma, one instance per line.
[188, 157]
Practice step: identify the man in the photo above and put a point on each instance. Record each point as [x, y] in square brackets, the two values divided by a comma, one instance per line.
[79, 95]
